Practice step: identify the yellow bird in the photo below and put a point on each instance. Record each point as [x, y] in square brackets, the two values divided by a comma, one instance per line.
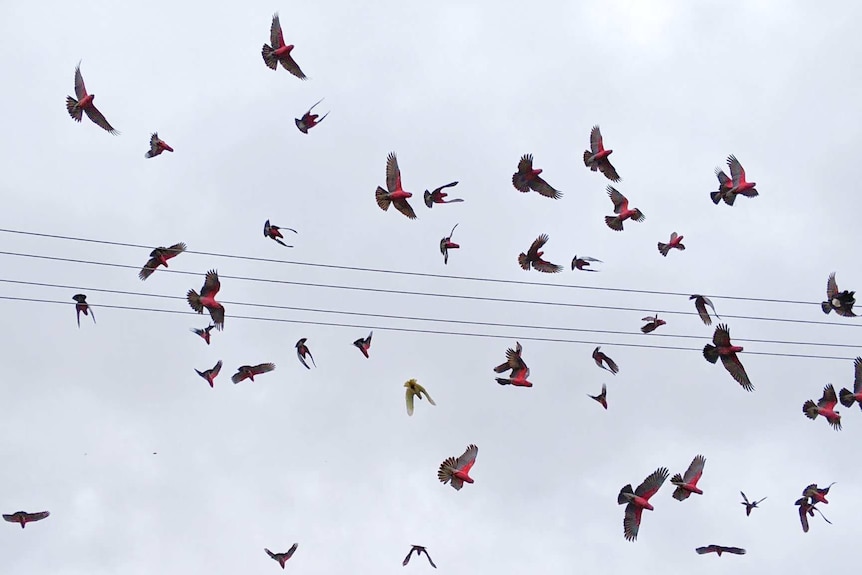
[413, 388]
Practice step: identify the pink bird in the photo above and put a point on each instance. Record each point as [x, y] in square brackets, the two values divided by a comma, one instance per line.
[249, 371]
[805, 509]
[621, 208]
[583, 263]
[364, 344]
[725, 185]
[687, 484]
[817, 494]
[719, 549]
[723, 348]
[81, 305]
[653, 323]
[599, 357]
[519, 370]
[210, 374]
[84, 105]
[526, 179]
[456, 472]
[206, 299]
[396, 194]
[282, 557]
[274, 233]
[533, 258]
[638, 500]
[279, 51]
[302, 351]
[675, 243]
[204, 333]
[447, 244]
[24, 518]
[596, 158]
[159, 257]
[847, 396]
[309, 120]
[157, 146]
[740, 185]
[824, 407]
[602, 397]
[438, 196]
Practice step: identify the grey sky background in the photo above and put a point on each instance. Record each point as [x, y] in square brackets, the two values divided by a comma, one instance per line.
[328, 457]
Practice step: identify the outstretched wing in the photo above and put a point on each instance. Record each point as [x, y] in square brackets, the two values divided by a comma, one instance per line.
[608, 170]
[736, 171]
[695, 470]
[596, 144]
[467, 459]
[263, 368]
[211, 284]
[829, 398]
[721, 336]
[80, 89]
[544, 188]
[405, 208]
[831, 287]
[393, 173]
[619, 200]
[96, 116]
[651, 484]
[276, 38]
[632, 521]
[734, 367]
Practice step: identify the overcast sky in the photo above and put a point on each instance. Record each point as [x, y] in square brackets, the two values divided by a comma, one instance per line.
[328, 457]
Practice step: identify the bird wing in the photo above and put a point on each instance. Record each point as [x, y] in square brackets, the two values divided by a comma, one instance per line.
[96, 116]
[700, 305]
[36, 516]
[632, 521]
[734, 367]
[723, 179]
[154, 145]
[393, 173]
[829, 398]
[537, 244]
[694, 471]
[175, 250]
[80, 89]
[467, 459]
[596, 143]
[289, 553]
[736, 171]
[831, 287]
[148, 269]
[721, 336]
[547, 267]
[409, 555]
[301, 359]
[276, 37]
[217, 315]
[857, 377]
[704, 550]
[211, 284]
[651, 484]
[525, 164]
[608, 170]
[291, 66]
[216, 369]
[425, 551]
[544, 188]
[734, 550]
[262, 368]
[421, 390]
[405, 208]
[744, 497]
[619, 200]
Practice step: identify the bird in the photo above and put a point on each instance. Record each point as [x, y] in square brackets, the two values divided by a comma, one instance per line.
[282, 557]
[847, 396]
[824, 407]
[210, 374]
[419, 551]
[841, 302]
[687, 484]
[413, 388]
[526, 179]
[84, 104]
[740, 185]
[533, 258]
[249, 371]
[159, 257]
[204, 333]
[364, 344]
[583, 263]
[725, 185]
[24, 518]
[206, 299]
[602, 397]
[302, 350]
[81, 305]
[596, 158]
[309, 120]
[653, 323]
[805, 509]
[817, 494]
[719, 549]
[279, 51]
[456, 472]
[700, 303]
[438, 196]
[157, 146]
[519, 370]
[447, 244]
[674, 243]
[622, 211]
[274, 232]
[723, 348]
[599, 357]
[749, 505]
[395, 194]
[638, 500]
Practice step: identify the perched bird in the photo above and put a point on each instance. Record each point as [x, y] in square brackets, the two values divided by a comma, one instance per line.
[159, 257]
[279, 51]
[204, 333]
[700, 303]
[817, 494]
[583, 263]
[638, 500]
[157, 146]
[602, 397]
[621, 208]
[719, 549]
[396, 194]
[653, 323]
[519, 370]
[206, 299]
[447, 244]
[456, 472]
[364, 344]
[309, 120]
[438, 196]
[413, 388]
[723, 348]
[847, 396]
[599, 357]
[84, 105]
[533, 258]
[725, 185]
[824, 407]
[740, 185]
[81, 305]
[282, 557]
[596, 158]
[419, 551]
[249, 371]
[24, 518]
[210, 374]
[526, 179]
[274, 232]
[806, 509]
[675, 243]
[302, 350]
[749, 505]
[687, 484]
[841, 302]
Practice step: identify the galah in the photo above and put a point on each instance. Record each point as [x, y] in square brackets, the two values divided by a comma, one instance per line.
[687, 484]
[824, 407]
[419, 551]
[81, 305]
[282, 557]
[847, 396]
[159, 257]
[725, 185]
[210, 374]
[583, 263]
[638, 500]
[749, 505]
[84, 105]
[24, 518]
[204, 333]
[740, 185]
[805, 509]
[206, 299]
[456, 472]
[157, 146]
[438, 196]
[841, 302]
[721, 347]
[599, 357]
[602, 397]
[279, 51]
[653, 323]
[519, 370]
[364, 344]
[621, 208]
[596, 158]
[526, 179]
[674, 243]
[700, 303]
[395, 194]
[533, 258]
[249, 371]
[309, 120]
[447, 244]
[719, 549]
[274, 232]
[414, 389]
[302, 350]
[817, 494]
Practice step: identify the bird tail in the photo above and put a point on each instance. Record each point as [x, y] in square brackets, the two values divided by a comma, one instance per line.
[624, 492]
[826, 307]
[716, 197]
[269, 56]
[444, 474]
[680, 494]
[676, 479]
[847, 398]
[383, 199]
[74, 110]
[710, 352]
[503, 381]
[428, 201]
[523, 262]
[809, 408]
[663, 249]
[195, 301]
[729, 198]
[587, 156]
[614, 223]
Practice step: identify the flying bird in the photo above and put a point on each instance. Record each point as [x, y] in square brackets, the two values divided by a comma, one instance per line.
[309, 120]
[675, 243]
[719, 549]
[596, 158]
[81, 305]
[519, 370]
[419, 551]
[274, 232]
[396, 194]
[806, 509]
[159, 257]
[157, 146]
[24, 518]
[817, 494]
[621, 208]
[841, 302]
[282, 557]
[302, 350]
[700, 303]
[249, 371]
[599, 357]
[447, 244]
[533, 258]
[279, 51]
[824, 407]
[723, 348]
[653, 323]
[638, 500]
[438, 196]
[210, 374]
[602, 397]
[84, 104]
[204, 333]
[526, 179]
[740, 185]
[687, 484]
[583, 263]
[364, 344]
[456, 472]
[725, 185]
[206, 299]
[749, 505]
[847, 396]
[413, 388]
